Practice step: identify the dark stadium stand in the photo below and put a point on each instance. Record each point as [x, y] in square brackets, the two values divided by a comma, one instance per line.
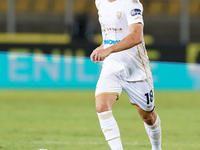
[3, 6]
[156, 7]
[195, 7]
[58, 6]
[23, 6]
[41, 6]
[173, 7]
[47, 16]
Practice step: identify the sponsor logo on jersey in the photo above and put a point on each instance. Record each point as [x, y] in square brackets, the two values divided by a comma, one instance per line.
[111, 41]
[135, 12]
[112, 29]
[118, 14]
[103, 30]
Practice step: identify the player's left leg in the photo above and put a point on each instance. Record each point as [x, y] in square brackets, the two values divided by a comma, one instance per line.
[141, 94]
[152, 125]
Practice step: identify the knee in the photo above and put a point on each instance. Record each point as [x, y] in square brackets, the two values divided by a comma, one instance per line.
[150, 119]
[105, 102]
[101, 108]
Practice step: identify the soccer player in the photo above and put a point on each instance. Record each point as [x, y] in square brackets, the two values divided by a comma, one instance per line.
[125, 66]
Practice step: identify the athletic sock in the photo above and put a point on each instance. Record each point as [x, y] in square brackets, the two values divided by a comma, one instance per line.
[110, 130]
[154, 133]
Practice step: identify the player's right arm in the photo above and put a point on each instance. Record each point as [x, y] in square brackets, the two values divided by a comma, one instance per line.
[101, 46]
[131, 40]
[94, 56]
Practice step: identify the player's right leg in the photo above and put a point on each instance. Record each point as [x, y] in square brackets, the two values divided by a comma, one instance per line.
[107, 92]
[110, 129]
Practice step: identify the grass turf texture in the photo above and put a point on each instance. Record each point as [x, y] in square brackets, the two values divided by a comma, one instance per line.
[67, 120]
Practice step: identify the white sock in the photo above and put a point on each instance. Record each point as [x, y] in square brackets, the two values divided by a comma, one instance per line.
[110, 130]
[154, 133]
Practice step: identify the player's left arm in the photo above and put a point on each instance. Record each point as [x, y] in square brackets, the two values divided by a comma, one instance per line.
[131, 40]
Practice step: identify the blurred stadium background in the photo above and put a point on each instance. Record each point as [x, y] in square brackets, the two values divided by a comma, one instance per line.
[170, 25]
[45, 44]
[71, 28]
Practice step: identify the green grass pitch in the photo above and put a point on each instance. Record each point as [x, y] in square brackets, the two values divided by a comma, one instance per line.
[67, 120]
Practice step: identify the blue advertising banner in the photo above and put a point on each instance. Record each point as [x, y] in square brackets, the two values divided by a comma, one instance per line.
[176, 76]
[25, 70]
[39, 71]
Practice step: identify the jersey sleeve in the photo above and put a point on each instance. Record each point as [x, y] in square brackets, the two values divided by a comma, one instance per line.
[133, 10]
[97, 3]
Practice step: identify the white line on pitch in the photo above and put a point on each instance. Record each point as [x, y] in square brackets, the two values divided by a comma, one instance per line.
[98, 143]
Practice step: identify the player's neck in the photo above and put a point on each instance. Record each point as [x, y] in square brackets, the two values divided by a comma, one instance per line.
[111, 0]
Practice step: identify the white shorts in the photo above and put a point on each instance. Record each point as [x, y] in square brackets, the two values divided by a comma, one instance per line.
[141, 93]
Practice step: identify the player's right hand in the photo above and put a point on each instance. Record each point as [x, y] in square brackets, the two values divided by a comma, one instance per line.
[95, 57]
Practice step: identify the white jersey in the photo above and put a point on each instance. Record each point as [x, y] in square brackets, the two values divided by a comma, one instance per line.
[115, 17]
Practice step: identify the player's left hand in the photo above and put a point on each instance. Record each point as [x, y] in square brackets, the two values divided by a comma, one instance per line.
[99, 55]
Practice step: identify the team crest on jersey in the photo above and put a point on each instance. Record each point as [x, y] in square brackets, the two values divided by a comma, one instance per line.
[135, 12]
[118, 14]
